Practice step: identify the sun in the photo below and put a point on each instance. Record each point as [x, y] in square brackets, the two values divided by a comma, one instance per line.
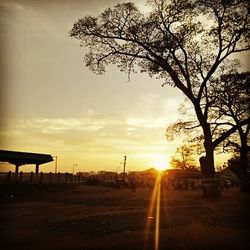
[161, 163]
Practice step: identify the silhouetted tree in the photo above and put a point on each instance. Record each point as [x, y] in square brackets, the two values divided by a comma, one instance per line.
[184, 157]
[233, 103]
[229, 99]
[174, 43]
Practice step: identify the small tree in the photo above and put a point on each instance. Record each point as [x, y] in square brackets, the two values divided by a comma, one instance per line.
[184, 158]
[232, 102]
[171, 43]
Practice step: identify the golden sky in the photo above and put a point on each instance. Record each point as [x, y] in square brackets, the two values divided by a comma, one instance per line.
[51, 103]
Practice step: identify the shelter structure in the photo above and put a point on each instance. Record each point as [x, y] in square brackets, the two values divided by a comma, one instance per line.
[22, 158]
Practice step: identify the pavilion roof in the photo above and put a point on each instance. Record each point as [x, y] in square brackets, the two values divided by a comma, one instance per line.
[23, 158]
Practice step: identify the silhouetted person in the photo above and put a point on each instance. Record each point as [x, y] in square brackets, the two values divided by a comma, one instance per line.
[150, 185]
[133, 185]
[186, 184]
[221, 186]
[192, 185]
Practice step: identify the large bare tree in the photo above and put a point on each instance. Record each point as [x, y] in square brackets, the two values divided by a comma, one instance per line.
[184, 42]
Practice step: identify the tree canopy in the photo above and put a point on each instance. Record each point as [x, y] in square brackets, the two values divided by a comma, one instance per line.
[184, 42]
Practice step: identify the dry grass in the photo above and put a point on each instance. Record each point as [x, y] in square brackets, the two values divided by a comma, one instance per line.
[87, 217]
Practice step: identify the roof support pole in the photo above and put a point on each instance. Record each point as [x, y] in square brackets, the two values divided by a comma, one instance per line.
[37, 168]
[16, 169]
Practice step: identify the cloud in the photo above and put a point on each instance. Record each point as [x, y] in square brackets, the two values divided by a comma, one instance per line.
[11, 5]
[65, 109]
[95, 129]
[51, 126]
[145, 123]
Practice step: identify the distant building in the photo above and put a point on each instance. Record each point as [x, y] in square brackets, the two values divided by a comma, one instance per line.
[180, 174]
[105, 175]
[83, 174]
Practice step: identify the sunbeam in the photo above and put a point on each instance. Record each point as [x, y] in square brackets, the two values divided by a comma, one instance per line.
[154, 207]
[157, 217]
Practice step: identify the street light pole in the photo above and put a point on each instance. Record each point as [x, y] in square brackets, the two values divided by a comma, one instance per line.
[124, 168]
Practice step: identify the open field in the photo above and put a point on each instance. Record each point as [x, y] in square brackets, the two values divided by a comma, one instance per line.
[87, 217]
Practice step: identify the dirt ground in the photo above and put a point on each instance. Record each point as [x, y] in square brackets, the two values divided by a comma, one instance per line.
[96, 218]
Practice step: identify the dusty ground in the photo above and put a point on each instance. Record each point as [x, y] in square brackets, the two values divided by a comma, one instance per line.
[85, 217]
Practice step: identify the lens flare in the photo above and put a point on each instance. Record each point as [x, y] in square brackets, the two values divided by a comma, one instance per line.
[154, 207]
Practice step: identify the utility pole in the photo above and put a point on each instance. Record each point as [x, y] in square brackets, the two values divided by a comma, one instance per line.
[124, 168]
[55, 156]
[74, 165]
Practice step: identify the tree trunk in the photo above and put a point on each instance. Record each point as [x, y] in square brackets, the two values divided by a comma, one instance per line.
[210, 185]
[210, 162]
[244, 182]
[207, 162]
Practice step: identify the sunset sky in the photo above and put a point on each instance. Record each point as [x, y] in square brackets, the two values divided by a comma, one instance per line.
[51, 103]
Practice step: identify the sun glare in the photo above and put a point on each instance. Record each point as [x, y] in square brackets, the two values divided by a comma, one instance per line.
[161, 163]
